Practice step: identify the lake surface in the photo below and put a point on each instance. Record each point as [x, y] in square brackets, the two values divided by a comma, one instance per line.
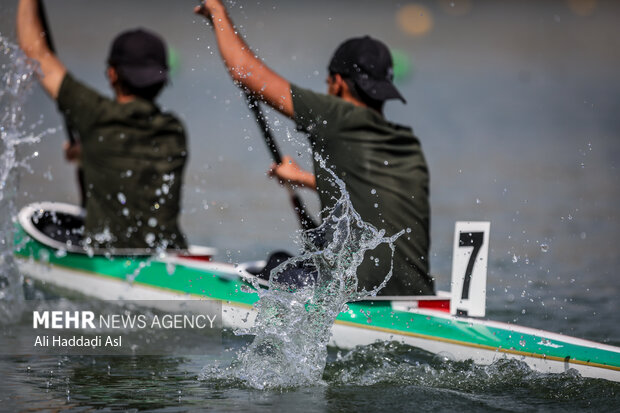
[517, 107]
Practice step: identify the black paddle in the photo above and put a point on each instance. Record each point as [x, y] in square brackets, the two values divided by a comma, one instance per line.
[70, 132]
[305, 220]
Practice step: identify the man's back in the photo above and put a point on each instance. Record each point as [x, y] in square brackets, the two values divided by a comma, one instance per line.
[386, 175]
[133, 157]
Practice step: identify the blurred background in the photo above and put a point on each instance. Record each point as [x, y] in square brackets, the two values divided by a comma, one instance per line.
[517, 105]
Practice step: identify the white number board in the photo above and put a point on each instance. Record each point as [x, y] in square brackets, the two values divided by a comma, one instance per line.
[469, 268]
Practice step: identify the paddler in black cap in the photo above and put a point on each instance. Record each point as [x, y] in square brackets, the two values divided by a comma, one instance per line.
[381, 163]
[132, 153]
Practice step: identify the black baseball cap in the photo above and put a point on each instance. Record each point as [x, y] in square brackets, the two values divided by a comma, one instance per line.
[368, 63]
[140, 58]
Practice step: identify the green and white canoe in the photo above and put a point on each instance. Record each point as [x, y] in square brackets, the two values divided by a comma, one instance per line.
[424, 322]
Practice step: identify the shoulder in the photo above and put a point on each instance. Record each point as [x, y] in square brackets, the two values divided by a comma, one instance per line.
[72, 89]
[403, 131]
[317, 110]
[75, 98]
[318, 101]
[80, 104]
[167, 123]
[172, 120]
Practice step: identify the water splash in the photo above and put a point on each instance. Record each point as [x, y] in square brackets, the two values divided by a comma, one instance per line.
[17, 78]
[305, 295]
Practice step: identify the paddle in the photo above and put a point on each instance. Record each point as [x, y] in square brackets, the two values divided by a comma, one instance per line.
[70, 132]
[305, 220]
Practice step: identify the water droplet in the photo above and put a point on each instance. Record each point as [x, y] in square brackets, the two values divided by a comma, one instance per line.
[170, 268]
[150, 238]
[544, 247]
[44, 256]
[152, 222]
[121, 198]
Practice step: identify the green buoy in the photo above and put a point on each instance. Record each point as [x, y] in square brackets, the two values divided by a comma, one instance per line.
[173, 61]
[402, 65]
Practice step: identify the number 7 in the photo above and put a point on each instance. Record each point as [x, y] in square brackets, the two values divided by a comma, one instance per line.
[470, 239]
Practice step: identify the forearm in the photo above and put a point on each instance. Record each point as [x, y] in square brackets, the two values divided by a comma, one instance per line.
[305, 179]
[31, 38]
[236, 54]
[289, 172]
[30, 33]
[244, 67]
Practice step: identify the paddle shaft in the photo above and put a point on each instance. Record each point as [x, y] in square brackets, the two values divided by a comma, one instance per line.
[305, 220]
[265, 129]
[70, 132]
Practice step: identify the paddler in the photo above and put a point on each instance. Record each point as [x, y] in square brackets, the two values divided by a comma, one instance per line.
[381, 163]
[132, 153]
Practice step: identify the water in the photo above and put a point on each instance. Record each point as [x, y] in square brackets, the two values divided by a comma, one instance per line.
[516, 105]
[17, 78]
[292, 329]
[382, 377]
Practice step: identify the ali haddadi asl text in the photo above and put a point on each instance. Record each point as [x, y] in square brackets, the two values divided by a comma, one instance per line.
[78, 341]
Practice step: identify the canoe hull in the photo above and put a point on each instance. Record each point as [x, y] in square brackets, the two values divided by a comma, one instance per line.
[479, 340]
[171, 276]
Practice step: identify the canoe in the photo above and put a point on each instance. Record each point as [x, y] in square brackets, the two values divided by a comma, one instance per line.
[430, 323]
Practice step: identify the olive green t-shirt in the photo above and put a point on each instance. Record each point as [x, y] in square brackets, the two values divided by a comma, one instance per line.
[133, 156]
[386, 176]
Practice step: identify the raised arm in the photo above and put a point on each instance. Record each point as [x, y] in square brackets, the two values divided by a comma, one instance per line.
[31, 37]
[244, 67]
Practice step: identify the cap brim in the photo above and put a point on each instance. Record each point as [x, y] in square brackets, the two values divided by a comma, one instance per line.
[379, 89]
[144, 76]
